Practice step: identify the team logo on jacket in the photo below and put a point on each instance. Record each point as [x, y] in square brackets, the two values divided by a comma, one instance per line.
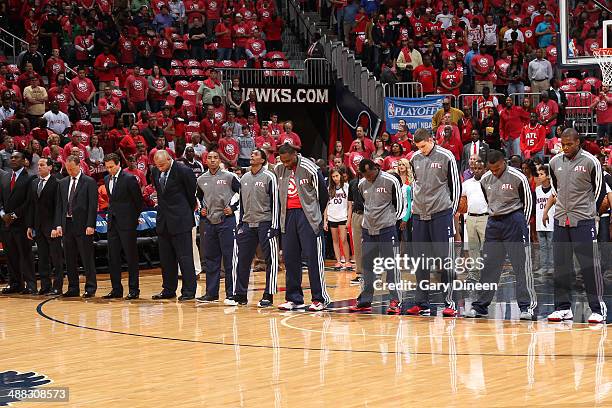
[221, 182]
[259, 184]
[304, 181]
[507, 186]
[435, 165]
[581, 169]
[381, 190]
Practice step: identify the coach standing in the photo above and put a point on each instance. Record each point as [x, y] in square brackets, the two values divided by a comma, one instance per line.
[576, 177]
[176, 201]
[303, 197]
[75, 220]
[124, 206]
[510, 203]
[437, 189]
[384, 204]
[259, 224]
[14, 193]
[41, 222]
[216, 188]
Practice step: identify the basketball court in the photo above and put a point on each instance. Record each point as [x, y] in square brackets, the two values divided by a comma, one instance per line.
[163, 353]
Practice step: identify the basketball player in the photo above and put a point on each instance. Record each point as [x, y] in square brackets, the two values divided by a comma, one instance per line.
[437, 189]
[576, 178]
[303, 197]
[510, 203]
[384, 204]
[258, 224]
[216, 189]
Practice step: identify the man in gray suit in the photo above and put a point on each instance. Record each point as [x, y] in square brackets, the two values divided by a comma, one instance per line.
[475, 146]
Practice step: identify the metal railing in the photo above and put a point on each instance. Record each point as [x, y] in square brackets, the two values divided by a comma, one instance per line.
[403, 90]
[471, 100]
[316, 71]
[11, 40]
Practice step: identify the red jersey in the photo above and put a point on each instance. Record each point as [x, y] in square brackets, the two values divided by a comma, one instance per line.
[546, 110]
[532, 139]
[367, 144]
[293, 198]
[449, 79]
[239, 32]
[224, 40]
[213, 9]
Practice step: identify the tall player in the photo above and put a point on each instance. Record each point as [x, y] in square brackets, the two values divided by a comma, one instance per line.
[259, 224]
[437, 189]
[510, 204]
[576, 177]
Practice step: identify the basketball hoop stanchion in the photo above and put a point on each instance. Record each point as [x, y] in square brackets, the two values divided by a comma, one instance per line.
[604, 59]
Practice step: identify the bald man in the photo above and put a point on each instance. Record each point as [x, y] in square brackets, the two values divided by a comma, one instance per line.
[176, 188]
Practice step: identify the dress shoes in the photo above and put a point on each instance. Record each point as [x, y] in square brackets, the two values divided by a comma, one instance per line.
[11, 289]
[88, 295]
[163, 295]
[54, 292]
[71, 294]
[113, 295]
[132, 296]
[29, 291]
[44, 291]
[184, 298]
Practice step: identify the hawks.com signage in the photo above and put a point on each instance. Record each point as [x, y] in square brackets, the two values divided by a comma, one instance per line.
[290, 94]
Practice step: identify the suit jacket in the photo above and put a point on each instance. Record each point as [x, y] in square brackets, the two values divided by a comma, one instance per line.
[561, 101]
[317, 52]
[125, 203]
[467, 152]
[84, 206]
[42, 209]
[176, 203]
[15, 201]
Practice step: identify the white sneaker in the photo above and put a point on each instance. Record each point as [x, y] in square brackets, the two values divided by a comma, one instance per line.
[596, 318]
[291, 306]
[474, 314]
[560, 315]
[230, 302]
[527, 315]
[316, 306]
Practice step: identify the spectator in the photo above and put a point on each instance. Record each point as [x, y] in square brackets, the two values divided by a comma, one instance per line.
[189, 160]
[558, 95]
[152, 132]
[239, 32]
[32, 56]
[516, 76]
[96, 155]
[513, 28]
[83, 91]
[57, 121]
[483, 66]
[366, 143]
[210, 87]
[35, 97]
[490, 31]
[246, 143]
[198, 147]
[6, 111]
[5, 154]
[408, 59]
[289, 136]
[395, 155]
[388, 74]
[475, 148]
[489, 129]
[177, 11]
[160, 144]
[25, 79]
[348, 19]
[61, 93]
[231, 124]
[316, 50]
[223, 34]
[451, 80]
[197, 37]
[163, 19]
[602, 106]
[533, 137]
[540, 72]
[235, 94]
[485, 102]
[255, 49]
[273, 29]
[75, 143]
[229, 148]
[455, 114]
[137, 90]
[158, 89]
[54, 66]
[109, 107]
[105, 66]
[445, 17]
[547, 111]
[512, 118]
[450, 140]
[545, 30]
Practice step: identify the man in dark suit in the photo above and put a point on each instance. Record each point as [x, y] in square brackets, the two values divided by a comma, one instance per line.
[176, 203]
[475, 146]
[75, 220]
[41, 223]
[558, 95]
[124, 207]
[14, 190]
[316, 50]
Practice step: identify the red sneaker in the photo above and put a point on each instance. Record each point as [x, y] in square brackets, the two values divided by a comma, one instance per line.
[361, 307]
[394, 307]
[449, 312]
[418, 311]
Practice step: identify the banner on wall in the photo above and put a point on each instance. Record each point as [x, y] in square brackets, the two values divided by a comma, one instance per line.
[417, 112]
[354, 113]
[291, 94]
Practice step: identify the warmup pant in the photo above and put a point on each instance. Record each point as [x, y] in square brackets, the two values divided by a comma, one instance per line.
[434, 238]
[77, 244]
[50, 253]
[219, 242]
[247, 239]
[299, 240]
[603, 237]
[383, 245]
[357, 235]
[581, 241]
[507, 235]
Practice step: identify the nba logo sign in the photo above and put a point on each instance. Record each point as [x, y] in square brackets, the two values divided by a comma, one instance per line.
[391, 110]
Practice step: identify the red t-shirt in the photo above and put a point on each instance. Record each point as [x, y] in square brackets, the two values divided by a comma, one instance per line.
[213, 9]
[391, 162]
[137, 86]
[546, 110]
[126, 50]
[142, 180]
[82, 88]
[448, 79]
[293, 198]
[63, 98]
[105, 61]
[426, 76]
[110, 103]
[273, 29]
[604, 111]
[367, 144]
[230, 148]
[225, 40]
[291, 138]
[239, 29]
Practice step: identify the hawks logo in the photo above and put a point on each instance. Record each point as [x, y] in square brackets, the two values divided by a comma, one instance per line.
[158, 83]
[218, 116]
[572, 81]
[357, 159]
[288, 141]
[82, 86]
[602, 105]
[544, 110]
[553, 51]
[256, 46]
[528, 33]
[594, 46]
[60, 98]
[163, 44]
[56, 68]
[483, 62]
[240, 30]
[503, 67]
[292, 188]
[212, 5]
[127, 45]
[230, 149]
[590, 81]
[137, 84]
[265, 14]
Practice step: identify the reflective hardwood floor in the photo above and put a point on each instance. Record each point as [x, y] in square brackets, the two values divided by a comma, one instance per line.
[167, 354]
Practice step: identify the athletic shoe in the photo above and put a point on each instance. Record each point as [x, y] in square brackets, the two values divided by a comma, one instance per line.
[356, 280]
[337, 266]
[348, 266]
[526, 315]
[474, 314]
[291, 306]
[394, 307]
[449, 312]
[417, 310]
[560, 315]
[230, 301]
[596, 318]
[207, 299]
[316, 306]
[361, 307]
[241, 299]
[266, 301]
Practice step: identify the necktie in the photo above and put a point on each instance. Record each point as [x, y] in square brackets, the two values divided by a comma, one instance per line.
[162, 181]
[71, 196]
[474, 148]
[112, 185]
[13, 178]
[41, 184]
